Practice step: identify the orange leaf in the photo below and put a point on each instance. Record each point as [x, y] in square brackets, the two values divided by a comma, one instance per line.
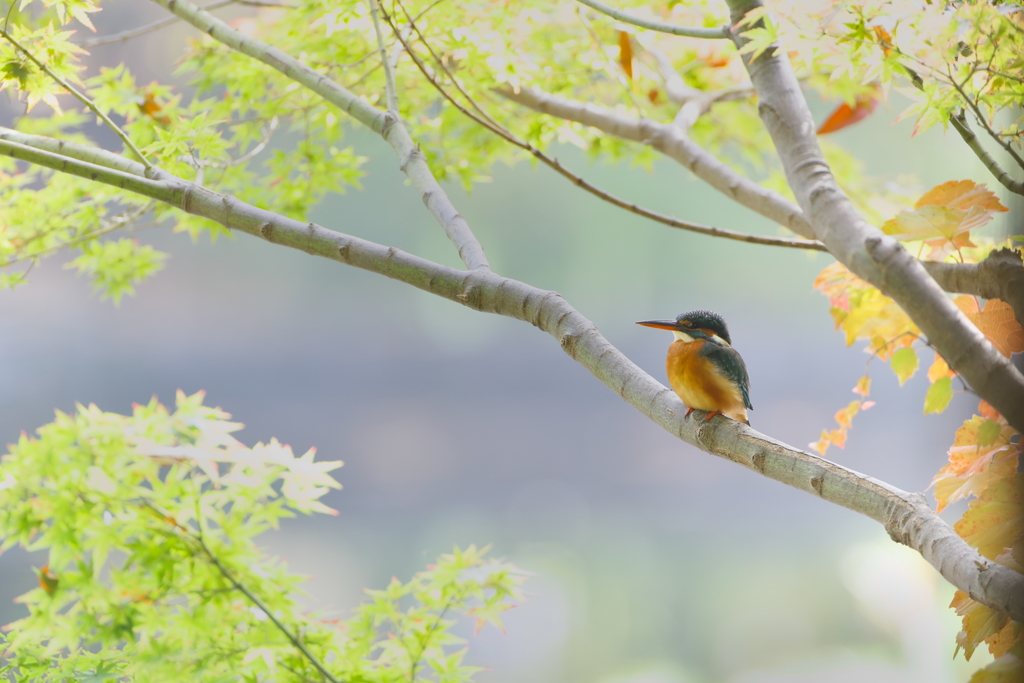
[838, 437]
[151, 108]
[822, 444]
[1004, 640]
[996, 321]
[845, 115]
[48, 581]
[626, 54]
[961, 194]
[845, 416]
[945, 215]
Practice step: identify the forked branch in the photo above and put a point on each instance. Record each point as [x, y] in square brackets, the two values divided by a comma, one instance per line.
[387, 124]
[861, 247]
[481, 117]
[673, 143]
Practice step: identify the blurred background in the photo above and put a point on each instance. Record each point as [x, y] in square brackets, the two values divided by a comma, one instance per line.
[654, 562]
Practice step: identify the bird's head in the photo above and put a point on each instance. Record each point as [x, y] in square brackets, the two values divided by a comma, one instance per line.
[695, 325]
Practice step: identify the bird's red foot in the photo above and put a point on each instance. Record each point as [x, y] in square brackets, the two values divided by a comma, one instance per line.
[712, 414]
[688, 411]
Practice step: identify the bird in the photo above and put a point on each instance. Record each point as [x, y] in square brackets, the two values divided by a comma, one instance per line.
[703, 368]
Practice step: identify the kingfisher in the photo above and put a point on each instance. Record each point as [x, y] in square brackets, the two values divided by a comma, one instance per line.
[703, 368]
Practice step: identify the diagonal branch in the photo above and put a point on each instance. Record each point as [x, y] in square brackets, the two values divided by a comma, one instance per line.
[660, 26]
[387, 124]
[906, 516]
[861, 247]
[671, 142]
[484, 120]
[959, 123]
[391, 91]
[81, 97]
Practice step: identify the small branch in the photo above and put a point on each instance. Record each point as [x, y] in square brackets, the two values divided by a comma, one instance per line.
[671, 142]
[92, 155]
[613, 65]
[490, 124]
[386, 124]
[1000, 276]
[389, 72]
[874, 257]
[693, 103]
[907, 517]
[154, 189]
[980, 117]
[661, 27]
[143, 30]
[81, 98]
[156, 25]
[959, 123]
[118, 223]
[268, 132]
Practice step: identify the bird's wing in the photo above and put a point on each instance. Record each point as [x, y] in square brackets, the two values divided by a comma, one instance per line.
[730, 364]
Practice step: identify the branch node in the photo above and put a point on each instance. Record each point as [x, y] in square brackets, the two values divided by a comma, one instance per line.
[818, 484]
[408, 159]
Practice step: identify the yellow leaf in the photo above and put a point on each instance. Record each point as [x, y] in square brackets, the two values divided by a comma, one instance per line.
[904, 364]
[995, 519]
[980, 622]
[939, 369]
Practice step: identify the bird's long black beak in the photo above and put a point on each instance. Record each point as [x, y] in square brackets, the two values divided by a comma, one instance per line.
[660, 324]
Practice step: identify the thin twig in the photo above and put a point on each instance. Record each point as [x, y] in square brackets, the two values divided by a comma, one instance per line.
[81, 97]
[199, 538]
[980, 117]
[268, 132]
[508, 136]
[116, 225]
[167, 21]
[414, 663]
[388, 125]
[661, 27]
[620, 73]
[389, 73]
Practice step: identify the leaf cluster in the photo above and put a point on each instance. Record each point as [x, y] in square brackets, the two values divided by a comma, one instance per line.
[985, 455]
[152, 573]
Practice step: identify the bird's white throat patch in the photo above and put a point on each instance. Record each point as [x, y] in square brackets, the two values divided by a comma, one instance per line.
[682, 336]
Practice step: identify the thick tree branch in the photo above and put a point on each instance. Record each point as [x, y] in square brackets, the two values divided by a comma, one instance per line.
[671, 142]
[660, 26]
[876, 258]
[1000, 276]
[387, 124]
[906, 516]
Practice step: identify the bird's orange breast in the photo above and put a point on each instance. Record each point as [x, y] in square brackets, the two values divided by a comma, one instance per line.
[699, 383]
